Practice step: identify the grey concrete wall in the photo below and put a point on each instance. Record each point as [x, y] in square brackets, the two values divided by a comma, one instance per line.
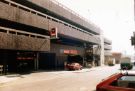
[68, 31]
[107, 50]
[97, 50]
[107, 47]
[58, 9]
[107, 41]
[21, 16]
[107, 53]
[22, 42]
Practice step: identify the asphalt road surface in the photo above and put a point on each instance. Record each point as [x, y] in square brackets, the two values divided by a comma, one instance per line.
[82, 80]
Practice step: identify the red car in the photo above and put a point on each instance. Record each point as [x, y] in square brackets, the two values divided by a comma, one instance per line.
[118, 82]
[74, 66]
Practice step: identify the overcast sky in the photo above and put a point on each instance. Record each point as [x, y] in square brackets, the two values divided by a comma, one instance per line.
[114, 17]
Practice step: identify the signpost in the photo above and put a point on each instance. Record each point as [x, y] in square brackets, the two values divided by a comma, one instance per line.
[54, 33]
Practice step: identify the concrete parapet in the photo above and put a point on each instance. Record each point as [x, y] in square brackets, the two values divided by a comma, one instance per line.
[22, 42]
[19, 15]
[65, 12]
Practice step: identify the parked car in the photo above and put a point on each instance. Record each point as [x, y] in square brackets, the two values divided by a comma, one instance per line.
[117, 82]
[74, 66]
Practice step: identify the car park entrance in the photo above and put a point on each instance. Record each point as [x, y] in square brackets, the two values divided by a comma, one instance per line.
[14, 61]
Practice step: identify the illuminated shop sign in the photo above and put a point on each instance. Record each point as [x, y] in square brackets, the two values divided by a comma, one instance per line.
[66, 51]
[70, 52]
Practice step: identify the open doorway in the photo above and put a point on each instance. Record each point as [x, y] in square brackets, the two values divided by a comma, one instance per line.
[75, 58]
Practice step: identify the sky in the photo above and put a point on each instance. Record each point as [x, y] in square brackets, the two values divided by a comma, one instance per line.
[114, 17]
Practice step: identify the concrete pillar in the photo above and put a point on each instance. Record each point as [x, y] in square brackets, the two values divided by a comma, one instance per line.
[37, 57]
[36, 63]
[102, 49]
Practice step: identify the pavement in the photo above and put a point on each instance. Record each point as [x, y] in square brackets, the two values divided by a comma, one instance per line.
[80, 80]
[48, 74]
[9, 78]
[12, 77]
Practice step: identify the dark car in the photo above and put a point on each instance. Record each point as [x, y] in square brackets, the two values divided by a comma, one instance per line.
[73, 66]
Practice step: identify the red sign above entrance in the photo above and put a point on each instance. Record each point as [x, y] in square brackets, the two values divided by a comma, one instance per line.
[54, 33]
[66, 51]
[70, 52]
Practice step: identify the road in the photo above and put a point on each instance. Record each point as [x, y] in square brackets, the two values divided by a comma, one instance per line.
[82, 80]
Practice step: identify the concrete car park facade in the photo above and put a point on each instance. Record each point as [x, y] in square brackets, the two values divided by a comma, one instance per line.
[25, 33]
